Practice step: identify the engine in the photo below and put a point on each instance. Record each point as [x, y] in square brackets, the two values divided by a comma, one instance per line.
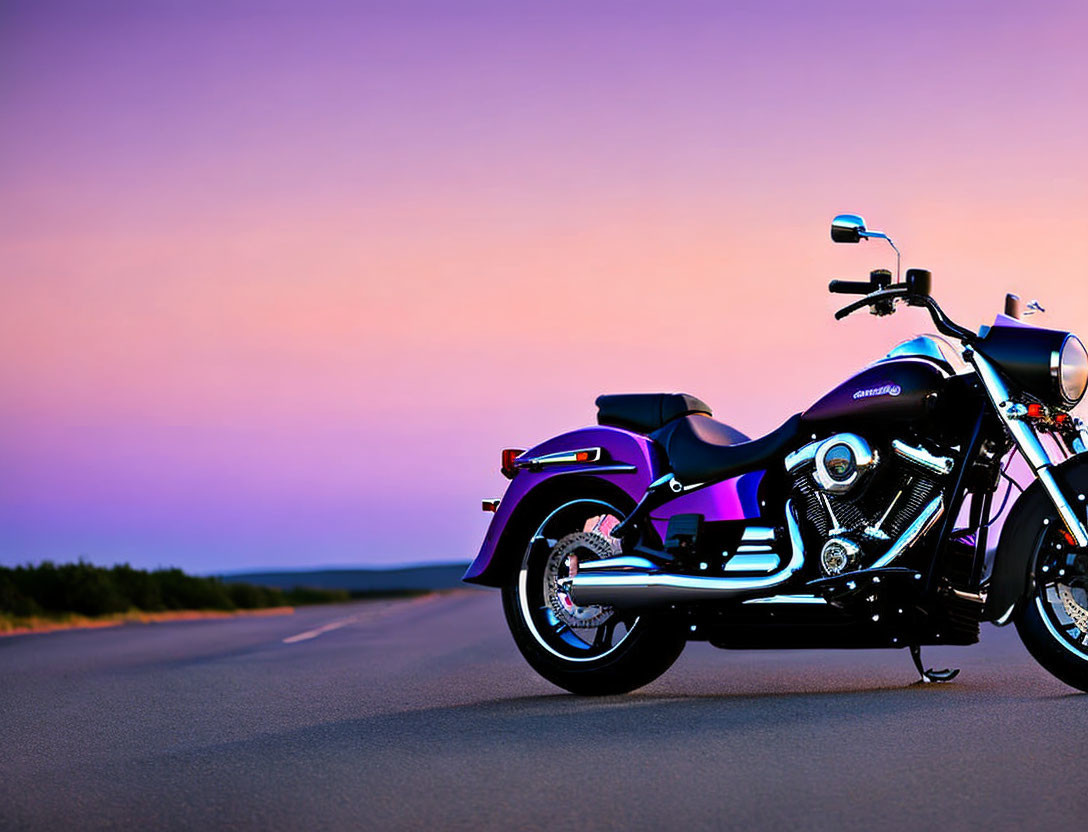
[858, 500]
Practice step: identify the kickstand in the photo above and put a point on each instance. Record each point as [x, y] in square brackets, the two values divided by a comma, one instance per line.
[931, 675]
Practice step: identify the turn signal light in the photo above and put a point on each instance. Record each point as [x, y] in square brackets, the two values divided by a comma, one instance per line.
[508, 456]
[1035, 411]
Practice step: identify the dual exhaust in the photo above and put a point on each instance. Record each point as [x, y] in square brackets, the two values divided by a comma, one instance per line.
[636, 582]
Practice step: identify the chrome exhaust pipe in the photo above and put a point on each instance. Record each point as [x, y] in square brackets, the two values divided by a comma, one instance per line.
[636, 582]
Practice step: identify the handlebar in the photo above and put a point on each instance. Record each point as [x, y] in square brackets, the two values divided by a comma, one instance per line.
[888, 296]
[849, 287]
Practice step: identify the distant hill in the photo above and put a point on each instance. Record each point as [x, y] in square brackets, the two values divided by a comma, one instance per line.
[437, 576]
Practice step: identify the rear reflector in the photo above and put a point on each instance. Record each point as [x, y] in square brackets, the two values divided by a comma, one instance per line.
[491, 505]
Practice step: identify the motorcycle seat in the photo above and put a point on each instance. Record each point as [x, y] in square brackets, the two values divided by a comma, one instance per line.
[700, 449]
[646, 412]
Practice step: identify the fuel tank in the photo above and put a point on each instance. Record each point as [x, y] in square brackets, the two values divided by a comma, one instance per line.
[897, 390]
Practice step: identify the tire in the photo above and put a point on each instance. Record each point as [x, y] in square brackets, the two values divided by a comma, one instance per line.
[592, 651]
[1047, 619]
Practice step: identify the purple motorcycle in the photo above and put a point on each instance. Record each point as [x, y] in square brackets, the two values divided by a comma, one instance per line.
[861, 522]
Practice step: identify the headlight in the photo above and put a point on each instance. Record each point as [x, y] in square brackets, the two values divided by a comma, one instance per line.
[1072, 369]
[1049, 364]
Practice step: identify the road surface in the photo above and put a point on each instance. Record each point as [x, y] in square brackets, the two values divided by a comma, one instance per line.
[420, 714]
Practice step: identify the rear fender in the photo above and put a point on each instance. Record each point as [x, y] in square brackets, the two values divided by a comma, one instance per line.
[1021, 536]
[631, 462]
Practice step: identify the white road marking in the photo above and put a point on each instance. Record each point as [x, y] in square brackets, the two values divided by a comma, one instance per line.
[324, 628]
[368, 615]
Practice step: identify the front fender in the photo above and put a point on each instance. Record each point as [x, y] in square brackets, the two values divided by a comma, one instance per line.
[623, 448]
[1021, 537]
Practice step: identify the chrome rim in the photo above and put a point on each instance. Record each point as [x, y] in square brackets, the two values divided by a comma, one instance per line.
[574, 532]
[1061, 595]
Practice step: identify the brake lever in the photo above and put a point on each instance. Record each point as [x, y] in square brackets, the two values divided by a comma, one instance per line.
[882, 295]
[851, 308]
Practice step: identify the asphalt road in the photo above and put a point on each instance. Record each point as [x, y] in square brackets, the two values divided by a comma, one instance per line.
[421, 715]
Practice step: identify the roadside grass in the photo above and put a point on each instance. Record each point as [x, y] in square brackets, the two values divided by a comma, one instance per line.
[13, 624]
[59, 596]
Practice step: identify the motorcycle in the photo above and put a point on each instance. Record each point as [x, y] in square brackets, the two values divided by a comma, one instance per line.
[862, 522]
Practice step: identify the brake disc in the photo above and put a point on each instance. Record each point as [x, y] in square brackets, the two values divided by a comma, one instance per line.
[585, 546]
[1073, 608]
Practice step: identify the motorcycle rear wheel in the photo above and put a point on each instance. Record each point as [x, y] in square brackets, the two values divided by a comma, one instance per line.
[592, 651]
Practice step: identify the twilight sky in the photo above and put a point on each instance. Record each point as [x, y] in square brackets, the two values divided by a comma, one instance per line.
[278, 280]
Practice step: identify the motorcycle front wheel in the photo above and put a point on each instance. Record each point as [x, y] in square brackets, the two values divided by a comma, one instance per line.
[1053, 620]
[588, 650]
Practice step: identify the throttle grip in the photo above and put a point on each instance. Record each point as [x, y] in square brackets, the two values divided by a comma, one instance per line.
[849, 287]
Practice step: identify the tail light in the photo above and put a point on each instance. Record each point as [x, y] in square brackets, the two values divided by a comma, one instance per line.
[508, 456]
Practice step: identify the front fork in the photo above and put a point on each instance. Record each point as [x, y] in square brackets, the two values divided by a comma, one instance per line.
[1027, 440]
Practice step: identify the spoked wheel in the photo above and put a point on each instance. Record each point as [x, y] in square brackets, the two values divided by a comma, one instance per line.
[584, 649]
[1053, 623]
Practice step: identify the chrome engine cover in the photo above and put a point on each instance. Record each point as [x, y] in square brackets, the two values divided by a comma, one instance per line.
[839, 555]
[841, 461]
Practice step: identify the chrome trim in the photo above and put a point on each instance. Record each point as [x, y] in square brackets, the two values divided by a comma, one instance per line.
[835, 527]
[920, 456]
[635, 589]
[1028, 442]
[760, 533]
[561, 457]
[804, 454]
[922, 524]
[976, 597]
[749, 548]
[677, 487]
[753, 562]
[921, 346]
[1056, 364]
[788, 599]
[598, 469]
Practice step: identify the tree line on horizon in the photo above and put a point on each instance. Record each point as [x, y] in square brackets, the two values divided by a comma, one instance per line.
[50, 589]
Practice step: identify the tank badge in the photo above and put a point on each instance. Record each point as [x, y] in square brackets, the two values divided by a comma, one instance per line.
[885, 390]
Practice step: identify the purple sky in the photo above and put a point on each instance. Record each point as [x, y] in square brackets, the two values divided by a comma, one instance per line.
[278, 280]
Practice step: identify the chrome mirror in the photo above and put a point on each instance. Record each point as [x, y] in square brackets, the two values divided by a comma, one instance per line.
[850, 228]
[847, 228]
